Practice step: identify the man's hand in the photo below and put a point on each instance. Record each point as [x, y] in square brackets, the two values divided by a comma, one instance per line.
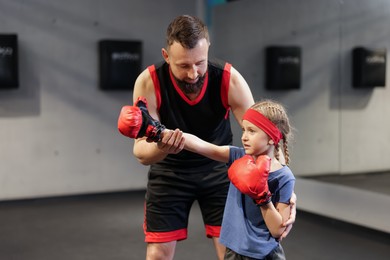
[172, 141]
[290, 221]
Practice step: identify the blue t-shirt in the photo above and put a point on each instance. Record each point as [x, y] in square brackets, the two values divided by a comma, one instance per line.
[243, 228]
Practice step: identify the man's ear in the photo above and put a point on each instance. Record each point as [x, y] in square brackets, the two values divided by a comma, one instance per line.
[165, 55]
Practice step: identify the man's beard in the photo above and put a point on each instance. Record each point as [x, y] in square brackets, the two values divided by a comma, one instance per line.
[191, 88]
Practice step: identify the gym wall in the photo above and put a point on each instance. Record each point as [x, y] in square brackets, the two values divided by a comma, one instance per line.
[339, 129]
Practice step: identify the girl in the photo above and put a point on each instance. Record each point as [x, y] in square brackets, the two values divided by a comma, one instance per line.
[252, 224]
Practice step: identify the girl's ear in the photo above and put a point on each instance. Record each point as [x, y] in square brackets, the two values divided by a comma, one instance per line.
[271, 142]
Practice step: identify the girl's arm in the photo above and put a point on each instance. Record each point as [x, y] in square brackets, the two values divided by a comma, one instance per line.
[195, 144]
[177, 139]
[275, 216]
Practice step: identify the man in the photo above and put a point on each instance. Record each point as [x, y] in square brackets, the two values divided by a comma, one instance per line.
[191, 93]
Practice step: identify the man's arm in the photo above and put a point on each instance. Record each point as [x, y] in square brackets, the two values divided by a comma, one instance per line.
[290, 221]
[240, 97]
[150, 152]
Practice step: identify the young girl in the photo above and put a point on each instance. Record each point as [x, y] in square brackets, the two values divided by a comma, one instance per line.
[251, 224]
[261, 187]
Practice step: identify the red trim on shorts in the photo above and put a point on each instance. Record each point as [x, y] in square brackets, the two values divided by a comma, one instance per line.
[225, 88]
[156, 83]
[161, 237]
[212, 231]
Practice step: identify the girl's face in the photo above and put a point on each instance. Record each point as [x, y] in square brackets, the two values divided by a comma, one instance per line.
[255, 141]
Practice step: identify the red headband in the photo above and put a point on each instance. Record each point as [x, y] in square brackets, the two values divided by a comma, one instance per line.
[262, 122]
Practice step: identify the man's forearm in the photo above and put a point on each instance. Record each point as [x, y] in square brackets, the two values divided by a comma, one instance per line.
[147, 152]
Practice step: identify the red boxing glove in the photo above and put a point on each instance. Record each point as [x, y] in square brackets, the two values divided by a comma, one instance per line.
[150, 127]
[130, 121]
[263, 163]
[135, 122]
[251, 178]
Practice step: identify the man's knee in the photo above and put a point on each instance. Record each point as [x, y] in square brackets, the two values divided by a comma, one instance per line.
[160, 251]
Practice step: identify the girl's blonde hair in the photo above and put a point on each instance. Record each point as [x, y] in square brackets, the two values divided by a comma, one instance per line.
[277, 114]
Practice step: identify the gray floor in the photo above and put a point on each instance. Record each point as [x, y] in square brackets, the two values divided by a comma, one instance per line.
[109, 226]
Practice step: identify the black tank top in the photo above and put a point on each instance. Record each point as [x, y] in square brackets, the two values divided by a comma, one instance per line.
[206, 117]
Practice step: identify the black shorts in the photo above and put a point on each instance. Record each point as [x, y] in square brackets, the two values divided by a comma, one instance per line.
[170, 195]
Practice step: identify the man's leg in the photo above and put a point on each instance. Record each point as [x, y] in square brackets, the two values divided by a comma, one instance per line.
[212, 200]
[219, 248]
[160, 251]
[168, 202]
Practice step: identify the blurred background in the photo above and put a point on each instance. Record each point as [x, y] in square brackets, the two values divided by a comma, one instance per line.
[58, 121]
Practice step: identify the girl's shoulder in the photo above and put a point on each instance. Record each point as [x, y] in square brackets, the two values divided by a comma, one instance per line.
[235, 153]
[284, 172]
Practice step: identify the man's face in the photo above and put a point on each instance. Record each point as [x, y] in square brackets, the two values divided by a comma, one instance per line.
[188, 66]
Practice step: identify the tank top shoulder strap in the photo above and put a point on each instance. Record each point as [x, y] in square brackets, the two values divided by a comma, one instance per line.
[156, 83]
[225, 85]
